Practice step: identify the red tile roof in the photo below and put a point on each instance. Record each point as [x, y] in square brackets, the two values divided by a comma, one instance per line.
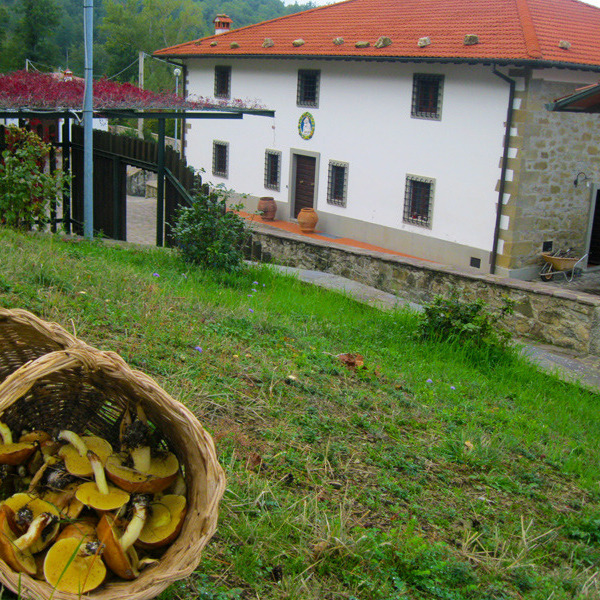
[507, 30]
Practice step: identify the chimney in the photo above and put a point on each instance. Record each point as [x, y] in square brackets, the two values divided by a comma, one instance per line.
[222, 24]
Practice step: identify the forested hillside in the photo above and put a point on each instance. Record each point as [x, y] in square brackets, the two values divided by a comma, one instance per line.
[49, 33]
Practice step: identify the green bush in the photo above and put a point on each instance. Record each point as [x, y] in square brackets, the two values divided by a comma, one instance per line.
[450, 318]
[210, 235]
[27, 190]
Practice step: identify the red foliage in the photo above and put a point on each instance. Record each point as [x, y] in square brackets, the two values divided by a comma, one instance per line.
[30, 90]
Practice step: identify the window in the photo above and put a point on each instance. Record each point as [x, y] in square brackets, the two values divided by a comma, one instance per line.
[337, 185]
[220, 158]
[427, 96]
[272, 169]
[222, 82]
[418, 200]
[308, 87]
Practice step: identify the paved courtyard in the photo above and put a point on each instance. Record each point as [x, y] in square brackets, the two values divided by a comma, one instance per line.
[141, 220]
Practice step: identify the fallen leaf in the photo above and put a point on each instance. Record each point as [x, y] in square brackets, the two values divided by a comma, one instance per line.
[254, 461]
[352, 361]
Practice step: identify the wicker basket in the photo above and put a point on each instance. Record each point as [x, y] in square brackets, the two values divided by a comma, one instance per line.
[87, 390]
[25, 337]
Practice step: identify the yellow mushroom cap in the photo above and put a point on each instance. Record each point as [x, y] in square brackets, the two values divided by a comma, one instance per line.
[16, 452]
[82, 529]
[37, 506]
[165, 521]
[90, 495]
[80, 465]
[162, 472]
[67, 569]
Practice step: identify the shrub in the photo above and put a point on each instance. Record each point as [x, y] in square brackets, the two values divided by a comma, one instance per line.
[208, 234]
[26, 191]
[449, 318]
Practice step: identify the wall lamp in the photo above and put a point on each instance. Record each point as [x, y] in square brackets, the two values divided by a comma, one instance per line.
[581, 176]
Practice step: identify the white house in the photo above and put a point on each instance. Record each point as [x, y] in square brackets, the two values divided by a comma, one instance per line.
[404, 123]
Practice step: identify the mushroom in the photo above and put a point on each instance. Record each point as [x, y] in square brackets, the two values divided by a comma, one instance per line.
[98, 494]
[26, 508]
[161, 473]
[74, 453]
[65, 501]
[42, 439]
[83, 529]
[72, 565]
[16, 551]
[52, 475]
[119, 553]
[179, 486]
[135, 438]
[37, 435]
[165, 521]
[14, 453]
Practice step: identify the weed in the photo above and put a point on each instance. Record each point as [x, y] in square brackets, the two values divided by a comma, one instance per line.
[449, 318]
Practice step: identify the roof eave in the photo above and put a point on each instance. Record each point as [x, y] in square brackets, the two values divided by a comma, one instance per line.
[517, 62]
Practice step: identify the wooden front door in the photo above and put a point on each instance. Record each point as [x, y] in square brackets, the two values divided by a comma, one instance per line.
[304, 184]
[594, 252]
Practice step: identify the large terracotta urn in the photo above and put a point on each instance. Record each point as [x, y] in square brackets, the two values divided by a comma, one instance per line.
[267, 208]
[307, 219]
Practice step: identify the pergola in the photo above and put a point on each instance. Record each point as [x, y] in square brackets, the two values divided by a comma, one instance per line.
[30, 95]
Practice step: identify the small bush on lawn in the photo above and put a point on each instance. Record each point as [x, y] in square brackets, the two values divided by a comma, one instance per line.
[210, 235]
[452, 319]
[27, 191]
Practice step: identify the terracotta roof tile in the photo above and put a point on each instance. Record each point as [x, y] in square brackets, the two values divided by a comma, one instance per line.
[511, 30]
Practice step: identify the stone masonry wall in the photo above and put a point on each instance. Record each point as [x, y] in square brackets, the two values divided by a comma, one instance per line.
[545, 313]
[548, 150]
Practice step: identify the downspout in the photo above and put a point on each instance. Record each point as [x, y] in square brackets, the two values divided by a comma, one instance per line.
[509, 118]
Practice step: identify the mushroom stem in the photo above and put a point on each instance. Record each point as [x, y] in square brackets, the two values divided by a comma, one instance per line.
[6, 434]
[141, 459]
[74, 440]
[34, 532]
[135, 526]
[99, 475]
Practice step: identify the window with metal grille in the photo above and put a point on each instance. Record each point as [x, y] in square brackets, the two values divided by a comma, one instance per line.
[222, 82]
[308, 87]
[220, 158]
[337, 185]
[272, 169]
[418, 200]
[427, 96]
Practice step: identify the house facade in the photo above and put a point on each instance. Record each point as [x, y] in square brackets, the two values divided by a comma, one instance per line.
[408, 132]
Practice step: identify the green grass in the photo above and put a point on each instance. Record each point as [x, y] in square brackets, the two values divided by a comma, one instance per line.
[437, 471]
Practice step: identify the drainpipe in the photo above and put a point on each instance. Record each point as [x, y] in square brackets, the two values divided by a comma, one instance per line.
[509, 117]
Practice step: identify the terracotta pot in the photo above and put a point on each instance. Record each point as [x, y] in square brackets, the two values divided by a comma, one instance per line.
[267, 207]
[307, 219]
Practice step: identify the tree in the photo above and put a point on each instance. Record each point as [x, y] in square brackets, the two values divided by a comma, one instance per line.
[34, 32]
[132, 25]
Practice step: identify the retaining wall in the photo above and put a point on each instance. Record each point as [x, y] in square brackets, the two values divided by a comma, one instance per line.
[545, 313]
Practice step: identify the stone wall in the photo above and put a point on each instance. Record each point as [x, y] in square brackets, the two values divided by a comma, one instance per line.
[542, 312]
[548, 150]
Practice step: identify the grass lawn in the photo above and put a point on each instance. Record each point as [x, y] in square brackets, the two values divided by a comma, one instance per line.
[433, 472]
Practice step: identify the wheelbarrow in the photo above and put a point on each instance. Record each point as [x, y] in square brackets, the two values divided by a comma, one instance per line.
[556, 264]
